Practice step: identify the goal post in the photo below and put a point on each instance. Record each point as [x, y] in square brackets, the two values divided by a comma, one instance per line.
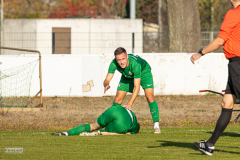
[8, 73]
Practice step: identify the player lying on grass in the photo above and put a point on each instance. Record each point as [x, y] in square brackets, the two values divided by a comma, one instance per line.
[135, 72]
[116, 120]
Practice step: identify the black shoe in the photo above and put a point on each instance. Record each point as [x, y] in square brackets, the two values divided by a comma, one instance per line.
[58, 134]
[206, 148]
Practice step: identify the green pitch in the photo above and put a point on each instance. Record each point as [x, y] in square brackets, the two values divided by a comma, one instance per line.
[172, 143]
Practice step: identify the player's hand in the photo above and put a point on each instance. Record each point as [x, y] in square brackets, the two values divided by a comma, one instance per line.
[195, 57]
[106, 88]
[128, 106]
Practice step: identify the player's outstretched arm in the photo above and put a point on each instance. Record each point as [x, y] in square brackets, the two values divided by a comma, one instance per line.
[109, 133]
[135, 93]
[107, 81]
[214, 45]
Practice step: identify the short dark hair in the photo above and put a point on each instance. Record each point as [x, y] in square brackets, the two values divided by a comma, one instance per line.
[120, 50]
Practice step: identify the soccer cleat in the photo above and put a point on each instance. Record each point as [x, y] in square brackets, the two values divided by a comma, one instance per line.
[93, 133]
[157, 130]
[205, 147]
[58, 134]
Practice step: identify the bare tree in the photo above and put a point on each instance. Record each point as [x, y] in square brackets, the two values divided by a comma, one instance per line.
[111, 8]
[184, 26]
[220, 9]
[27, 8]
[148, 10]
[104, 8]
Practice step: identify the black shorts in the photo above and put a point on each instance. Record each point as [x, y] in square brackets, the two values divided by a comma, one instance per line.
[233, 84]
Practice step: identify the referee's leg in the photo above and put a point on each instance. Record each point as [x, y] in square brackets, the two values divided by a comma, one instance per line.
[207, 147]
[224, 119]
[228, 101]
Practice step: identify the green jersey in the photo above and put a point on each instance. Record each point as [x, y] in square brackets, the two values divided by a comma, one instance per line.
[118, 119]
[136, 69]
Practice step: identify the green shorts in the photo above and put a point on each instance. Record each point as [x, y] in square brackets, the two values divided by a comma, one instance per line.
[115, 119]
[127, 84]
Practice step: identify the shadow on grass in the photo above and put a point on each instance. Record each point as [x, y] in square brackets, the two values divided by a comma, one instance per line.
[176, 144]
[231, 134]
[187, 145]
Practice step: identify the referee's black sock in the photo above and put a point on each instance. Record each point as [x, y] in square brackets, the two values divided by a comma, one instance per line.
[222, 123]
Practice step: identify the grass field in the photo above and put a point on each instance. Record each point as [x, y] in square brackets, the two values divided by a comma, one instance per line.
[183, 119]
[172, 143]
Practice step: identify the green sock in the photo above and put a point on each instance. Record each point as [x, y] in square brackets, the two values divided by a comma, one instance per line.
[154, 111]
[79, 129]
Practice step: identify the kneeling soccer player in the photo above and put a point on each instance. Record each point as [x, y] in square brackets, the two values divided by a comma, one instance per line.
[116, 120]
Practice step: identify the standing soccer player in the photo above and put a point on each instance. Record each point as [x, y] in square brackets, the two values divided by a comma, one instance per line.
[135, 72]
[229, 37]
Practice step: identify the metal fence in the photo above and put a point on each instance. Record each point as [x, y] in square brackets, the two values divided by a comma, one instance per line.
[94, 43]
[159, 42]
[74, 42]
[155, 42]
[209, 36]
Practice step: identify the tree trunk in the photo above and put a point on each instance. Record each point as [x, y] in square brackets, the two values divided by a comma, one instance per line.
[184, 26]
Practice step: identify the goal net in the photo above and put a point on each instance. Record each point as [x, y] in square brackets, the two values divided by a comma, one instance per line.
[15, 84]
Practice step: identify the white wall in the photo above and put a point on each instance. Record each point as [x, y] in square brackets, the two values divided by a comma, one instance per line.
[173, 73]
[88, 36]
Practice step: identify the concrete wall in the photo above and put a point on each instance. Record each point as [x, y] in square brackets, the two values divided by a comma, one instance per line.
[173, 73]
[88, 36]
[19, 34]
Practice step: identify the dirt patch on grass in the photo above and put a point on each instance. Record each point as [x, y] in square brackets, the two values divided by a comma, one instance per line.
[65, 113]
